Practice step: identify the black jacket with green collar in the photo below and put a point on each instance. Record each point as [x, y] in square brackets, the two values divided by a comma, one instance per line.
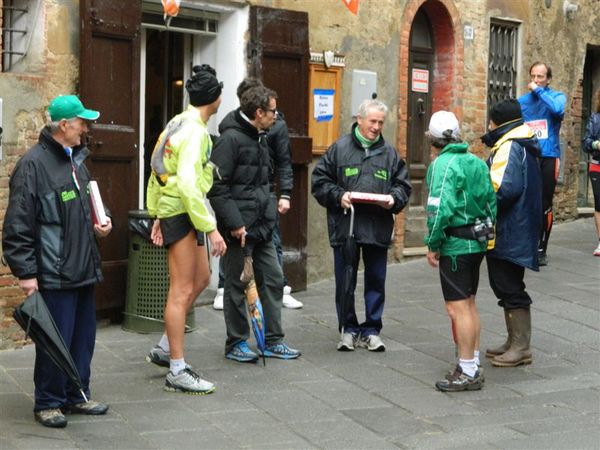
[347, 166]
[48, 231]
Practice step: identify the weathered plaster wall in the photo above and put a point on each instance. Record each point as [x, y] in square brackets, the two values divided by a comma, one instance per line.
[50, 68]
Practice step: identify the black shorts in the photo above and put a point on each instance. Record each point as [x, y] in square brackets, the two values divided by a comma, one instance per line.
[462, 282]
[176, 228]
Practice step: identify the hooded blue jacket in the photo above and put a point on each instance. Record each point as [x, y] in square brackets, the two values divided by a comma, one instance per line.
[516, 178]
[544, 109]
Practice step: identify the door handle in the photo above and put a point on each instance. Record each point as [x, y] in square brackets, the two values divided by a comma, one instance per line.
[420, 107]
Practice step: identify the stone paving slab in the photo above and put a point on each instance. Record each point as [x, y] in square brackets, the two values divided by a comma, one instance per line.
[358, 400]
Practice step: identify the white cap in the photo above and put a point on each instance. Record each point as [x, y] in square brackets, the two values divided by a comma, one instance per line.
[442, 121]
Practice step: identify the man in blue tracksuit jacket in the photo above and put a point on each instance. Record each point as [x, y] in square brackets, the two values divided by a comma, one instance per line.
[543, 110]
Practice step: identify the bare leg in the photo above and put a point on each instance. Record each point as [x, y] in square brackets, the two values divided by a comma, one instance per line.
[183, 269]
[597, 221]
[476, 321]
[460, 313]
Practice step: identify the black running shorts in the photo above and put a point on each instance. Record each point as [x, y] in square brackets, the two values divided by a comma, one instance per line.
[460, 278]
[176, 228]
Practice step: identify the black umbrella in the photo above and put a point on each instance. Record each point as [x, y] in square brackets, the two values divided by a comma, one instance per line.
[37, 322]
[350, 257]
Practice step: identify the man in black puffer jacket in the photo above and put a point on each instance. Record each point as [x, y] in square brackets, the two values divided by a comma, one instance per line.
[246, 212]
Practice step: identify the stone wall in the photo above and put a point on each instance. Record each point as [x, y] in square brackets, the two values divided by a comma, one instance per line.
[50, 68]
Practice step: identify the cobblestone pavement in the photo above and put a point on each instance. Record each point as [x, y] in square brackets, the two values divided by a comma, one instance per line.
[358, 400]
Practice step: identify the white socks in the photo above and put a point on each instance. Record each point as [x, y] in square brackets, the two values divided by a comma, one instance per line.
[164, 343]
[477, 361]
[468, 366]
[176, 365]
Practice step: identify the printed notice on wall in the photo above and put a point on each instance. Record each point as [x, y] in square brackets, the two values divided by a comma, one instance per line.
[323, 104]
[420, 80]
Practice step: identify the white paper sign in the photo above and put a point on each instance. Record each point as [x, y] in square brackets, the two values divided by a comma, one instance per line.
[420, 80]
[323, 104]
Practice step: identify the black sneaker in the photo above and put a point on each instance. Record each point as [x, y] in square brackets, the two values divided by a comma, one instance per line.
[458, 381]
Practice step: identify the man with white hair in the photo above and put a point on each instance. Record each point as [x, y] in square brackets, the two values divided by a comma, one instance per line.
[362, 161]
[460, 210]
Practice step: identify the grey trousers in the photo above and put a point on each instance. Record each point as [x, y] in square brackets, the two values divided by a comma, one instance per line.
[269, 279]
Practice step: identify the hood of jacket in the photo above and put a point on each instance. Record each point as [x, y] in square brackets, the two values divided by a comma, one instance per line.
[455, 147]
[234, 120]
[524, 136]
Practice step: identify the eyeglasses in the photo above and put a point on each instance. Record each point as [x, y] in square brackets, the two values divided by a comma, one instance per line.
[274, 110]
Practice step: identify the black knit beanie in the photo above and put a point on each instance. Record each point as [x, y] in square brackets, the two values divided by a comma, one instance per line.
[506, 111]
[203, 87]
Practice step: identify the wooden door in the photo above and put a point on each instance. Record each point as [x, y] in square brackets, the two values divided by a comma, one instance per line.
[278, 55]
[419, 111]
[109, 82]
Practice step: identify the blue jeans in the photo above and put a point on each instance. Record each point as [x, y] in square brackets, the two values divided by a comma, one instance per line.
[375, 262]
[74, 312]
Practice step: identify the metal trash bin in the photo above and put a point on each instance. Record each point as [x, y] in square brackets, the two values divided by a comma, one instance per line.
[147, 280]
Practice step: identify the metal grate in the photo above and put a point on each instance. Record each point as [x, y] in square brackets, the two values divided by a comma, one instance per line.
[14, 32]
[502, 63]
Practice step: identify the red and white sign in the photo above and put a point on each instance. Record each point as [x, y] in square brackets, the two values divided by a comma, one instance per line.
[420, 80]
[539, 128]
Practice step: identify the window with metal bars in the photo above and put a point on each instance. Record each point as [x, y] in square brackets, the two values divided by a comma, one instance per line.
[502, 62]
[15, 23]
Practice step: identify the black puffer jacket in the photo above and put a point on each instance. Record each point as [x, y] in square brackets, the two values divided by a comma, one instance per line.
[592, 133]
[280, 156]
[48, 231]
[348, 167]
[241, 194]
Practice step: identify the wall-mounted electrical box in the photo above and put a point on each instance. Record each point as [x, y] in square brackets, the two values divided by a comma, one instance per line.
[364, 86]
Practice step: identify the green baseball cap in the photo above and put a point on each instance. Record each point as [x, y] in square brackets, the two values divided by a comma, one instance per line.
[69, 107]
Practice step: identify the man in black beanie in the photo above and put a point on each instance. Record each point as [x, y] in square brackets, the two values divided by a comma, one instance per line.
[515, 172]
[181, 177]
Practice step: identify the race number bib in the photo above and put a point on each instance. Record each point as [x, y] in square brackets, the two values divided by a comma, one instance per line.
[539, 128]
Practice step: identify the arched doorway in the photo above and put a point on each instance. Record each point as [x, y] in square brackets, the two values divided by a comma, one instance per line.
[420, 70]
[429, 81]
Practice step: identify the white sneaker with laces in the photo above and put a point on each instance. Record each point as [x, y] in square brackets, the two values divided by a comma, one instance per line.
[218, 301]
[189, 382]
[289, 301]
[347, 343]
[597, 251]
[373, 343]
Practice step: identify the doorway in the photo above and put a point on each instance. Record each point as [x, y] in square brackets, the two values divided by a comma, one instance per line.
[421, 59]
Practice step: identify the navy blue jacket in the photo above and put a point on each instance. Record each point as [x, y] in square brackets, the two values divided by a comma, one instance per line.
[592, 133]
[516, 178]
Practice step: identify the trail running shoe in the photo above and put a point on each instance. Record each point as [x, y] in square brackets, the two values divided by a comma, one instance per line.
[189, 382]
[242, 353]
[281, 351]
[458, 381]
[159, 357]
[53, 418]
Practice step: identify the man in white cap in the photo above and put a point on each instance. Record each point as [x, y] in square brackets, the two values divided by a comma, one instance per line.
[49, 242]
[460, 210]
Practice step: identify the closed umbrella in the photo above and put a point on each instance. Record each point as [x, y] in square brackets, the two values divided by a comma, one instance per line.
[350, 258]
[257, 317]
[34, 317]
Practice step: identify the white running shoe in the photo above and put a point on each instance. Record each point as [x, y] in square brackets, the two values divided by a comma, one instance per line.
[218, 301]
[597, 251]
[189, 382]
[289, 301]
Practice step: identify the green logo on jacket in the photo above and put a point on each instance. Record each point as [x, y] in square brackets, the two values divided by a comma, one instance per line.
[68, 195]
[382, 174]
[351, 171]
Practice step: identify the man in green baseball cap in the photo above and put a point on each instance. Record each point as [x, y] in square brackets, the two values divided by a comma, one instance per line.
[49, 242]
[69, 107]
